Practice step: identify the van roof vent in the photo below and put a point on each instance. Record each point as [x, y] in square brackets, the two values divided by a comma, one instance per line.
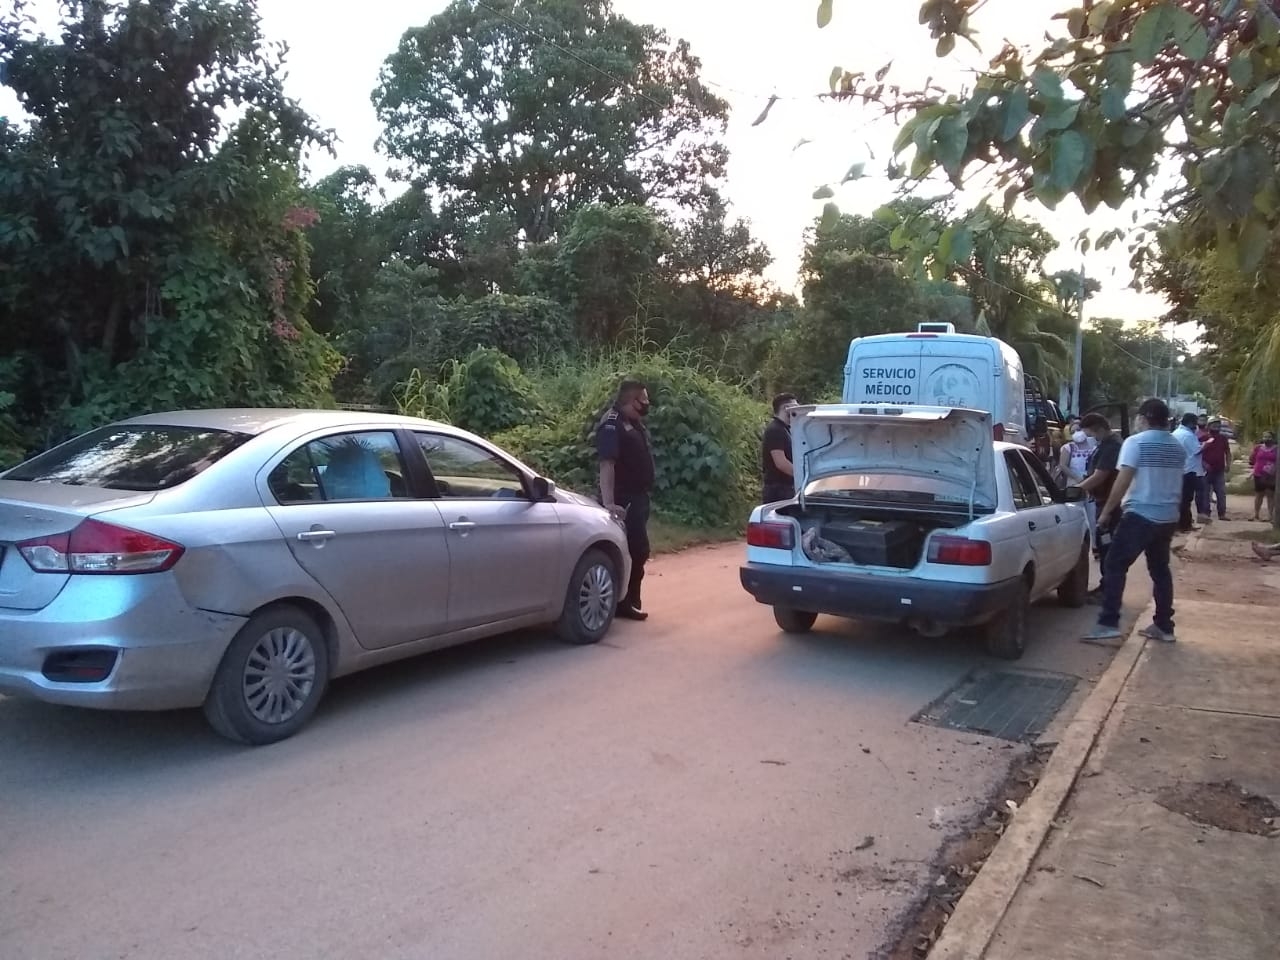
[929, 327]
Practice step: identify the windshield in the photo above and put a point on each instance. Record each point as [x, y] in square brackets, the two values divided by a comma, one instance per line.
[890, 488]
[131, 457]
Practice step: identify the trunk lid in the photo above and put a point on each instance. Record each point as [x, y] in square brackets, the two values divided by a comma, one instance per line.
[916, 456]
[31, 509]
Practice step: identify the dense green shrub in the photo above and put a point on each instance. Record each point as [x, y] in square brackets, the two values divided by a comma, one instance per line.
[705, 431]
[485, 393]
[524, 328]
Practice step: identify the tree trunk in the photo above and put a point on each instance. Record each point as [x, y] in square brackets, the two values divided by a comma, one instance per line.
[71, 358]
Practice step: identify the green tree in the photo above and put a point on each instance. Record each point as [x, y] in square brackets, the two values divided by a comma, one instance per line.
[533, 110]
[715, 277]
[848, 292]
[1004, 275]
[152, 249]
[1119, 88]
[403, 327]
[1239, 318]
[610, 258]
[348, 247]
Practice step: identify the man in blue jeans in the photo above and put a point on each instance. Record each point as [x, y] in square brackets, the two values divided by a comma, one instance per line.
[1146, 496]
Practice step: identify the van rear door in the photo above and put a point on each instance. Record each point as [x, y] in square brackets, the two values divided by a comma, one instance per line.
[955, 376]
[885, 373]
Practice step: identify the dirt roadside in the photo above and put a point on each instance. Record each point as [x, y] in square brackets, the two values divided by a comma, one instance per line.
[1214, 564]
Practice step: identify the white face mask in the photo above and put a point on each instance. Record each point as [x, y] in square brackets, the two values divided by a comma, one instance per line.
[1079, 436]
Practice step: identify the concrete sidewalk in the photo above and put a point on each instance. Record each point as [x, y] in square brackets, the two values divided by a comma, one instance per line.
[1168, 844]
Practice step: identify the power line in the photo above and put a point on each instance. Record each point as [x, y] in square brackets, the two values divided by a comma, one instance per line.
[1038, 302]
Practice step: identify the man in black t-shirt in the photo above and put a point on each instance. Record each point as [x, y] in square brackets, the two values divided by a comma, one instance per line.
[776, 470]
[1101, 470]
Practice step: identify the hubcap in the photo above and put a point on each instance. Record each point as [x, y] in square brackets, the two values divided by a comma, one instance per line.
[279, 675]
[595, 597]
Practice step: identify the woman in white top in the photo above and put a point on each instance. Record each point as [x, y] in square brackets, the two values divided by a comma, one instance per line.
[1074, 458]
[1074, 466]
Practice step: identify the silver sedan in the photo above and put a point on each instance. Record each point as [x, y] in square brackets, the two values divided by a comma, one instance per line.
[240, 559]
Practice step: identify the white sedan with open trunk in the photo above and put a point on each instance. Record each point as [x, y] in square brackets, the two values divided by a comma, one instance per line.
[916, 515]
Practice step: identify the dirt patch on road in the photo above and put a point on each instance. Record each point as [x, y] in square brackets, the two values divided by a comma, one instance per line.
[1225, 805]
[962, 858]
[1226, 579]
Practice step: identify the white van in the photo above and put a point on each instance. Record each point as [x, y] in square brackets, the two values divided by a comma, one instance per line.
[935, 366]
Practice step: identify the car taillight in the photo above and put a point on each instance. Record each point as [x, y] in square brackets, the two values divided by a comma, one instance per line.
[960, 551]
[777, 536]
[998, 431]
[97, 547]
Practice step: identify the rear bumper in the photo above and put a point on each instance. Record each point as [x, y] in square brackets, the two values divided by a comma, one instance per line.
[166, 652]
[870, 597]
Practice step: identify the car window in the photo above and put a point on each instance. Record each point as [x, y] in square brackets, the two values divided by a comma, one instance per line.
[1040, 477]
[144, 457]
[465, 471]
[345, 466]
[889, 488]
[1024, 490]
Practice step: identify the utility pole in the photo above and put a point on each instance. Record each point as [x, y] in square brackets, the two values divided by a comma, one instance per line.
[1079, 352]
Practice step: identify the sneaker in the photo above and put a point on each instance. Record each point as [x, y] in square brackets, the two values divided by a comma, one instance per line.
[1152, 632]
[1103, 632]
[1205, 518]
[631, 613]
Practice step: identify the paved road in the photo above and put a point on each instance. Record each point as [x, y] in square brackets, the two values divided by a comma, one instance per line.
[692, 787]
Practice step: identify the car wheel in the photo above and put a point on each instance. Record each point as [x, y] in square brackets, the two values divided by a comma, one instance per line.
[591, 601]
[1074, 591]
[1006, 636]
[271, 678]
[794, 621]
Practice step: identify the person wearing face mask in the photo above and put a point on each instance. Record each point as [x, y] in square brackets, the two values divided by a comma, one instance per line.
[1073, 460]
[626, 480]
[777, 472]
[1263, 463]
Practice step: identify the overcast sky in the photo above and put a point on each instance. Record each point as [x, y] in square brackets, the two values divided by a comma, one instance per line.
[749, 49]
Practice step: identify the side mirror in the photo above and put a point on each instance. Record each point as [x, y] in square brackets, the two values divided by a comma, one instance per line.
[541, 489]
[1073, 495]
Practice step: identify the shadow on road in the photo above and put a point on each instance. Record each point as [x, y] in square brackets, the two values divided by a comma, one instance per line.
[46, 743]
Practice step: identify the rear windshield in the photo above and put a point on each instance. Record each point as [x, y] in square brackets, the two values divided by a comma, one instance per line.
[891, 488]
[131, 457]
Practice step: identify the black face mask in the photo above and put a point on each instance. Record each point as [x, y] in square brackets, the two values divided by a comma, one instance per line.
[1268, 443]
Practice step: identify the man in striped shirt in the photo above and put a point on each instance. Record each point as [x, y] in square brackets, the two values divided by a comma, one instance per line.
[1145, 498]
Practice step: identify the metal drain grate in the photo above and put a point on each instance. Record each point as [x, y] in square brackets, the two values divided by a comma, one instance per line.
[1007, 704]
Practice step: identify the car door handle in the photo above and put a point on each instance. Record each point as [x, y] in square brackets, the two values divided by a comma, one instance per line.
[462, 525]
[1056, 518]
[1031, 524]
[306, 535]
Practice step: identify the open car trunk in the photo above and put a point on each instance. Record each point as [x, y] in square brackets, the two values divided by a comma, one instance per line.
[867, 536]
[875, 481]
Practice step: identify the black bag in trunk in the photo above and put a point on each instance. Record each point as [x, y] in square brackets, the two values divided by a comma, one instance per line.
[879, 543]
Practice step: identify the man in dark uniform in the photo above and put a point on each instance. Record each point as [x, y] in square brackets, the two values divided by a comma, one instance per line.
[626, 480]
[776, 470]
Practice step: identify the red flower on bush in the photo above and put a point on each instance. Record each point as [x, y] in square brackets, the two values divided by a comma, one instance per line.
[299, 218]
